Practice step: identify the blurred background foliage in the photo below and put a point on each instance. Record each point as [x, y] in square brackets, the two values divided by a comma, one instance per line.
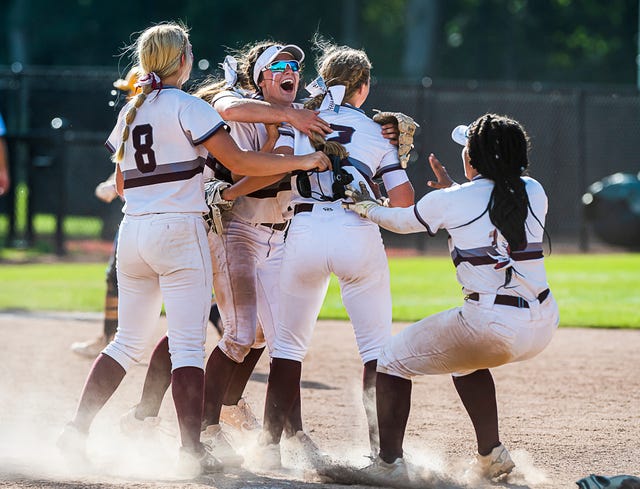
[564, 41]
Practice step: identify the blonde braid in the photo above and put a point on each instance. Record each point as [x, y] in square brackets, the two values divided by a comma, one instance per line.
[129, 116]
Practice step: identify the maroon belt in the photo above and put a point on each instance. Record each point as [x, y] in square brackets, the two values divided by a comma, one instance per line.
[279, 226]
[302, 208]
[510, 300]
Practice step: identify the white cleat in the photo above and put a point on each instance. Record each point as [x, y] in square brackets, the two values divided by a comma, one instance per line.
[392, 474]
[218, 444]
[496, 464]
[90, 348]
[72, 444]
[191, 465]
[137, 428]
[265, 456]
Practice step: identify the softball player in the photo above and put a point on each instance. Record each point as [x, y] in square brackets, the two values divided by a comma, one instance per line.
[162, 250]
[324, 238]
[247, 265]
[496, 227]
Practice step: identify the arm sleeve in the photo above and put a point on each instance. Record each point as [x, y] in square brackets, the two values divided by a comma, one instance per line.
[401, 220]
[390, 170]
[425, 216]
[394, 178]
[226, 94]
[200, 120]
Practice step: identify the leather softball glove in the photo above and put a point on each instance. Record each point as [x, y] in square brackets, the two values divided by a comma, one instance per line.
[406, 130]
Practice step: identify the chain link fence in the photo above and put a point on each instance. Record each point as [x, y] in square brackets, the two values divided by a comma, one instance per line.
[578, 135]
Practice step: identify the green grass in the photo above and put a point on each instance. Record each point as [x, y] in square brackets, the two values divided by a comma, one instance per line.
[592, 290]
[53, 287]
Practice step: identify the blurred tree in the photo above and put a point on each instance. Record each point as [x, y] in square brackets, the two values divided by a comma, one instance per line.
[421, 25]
[545, 40]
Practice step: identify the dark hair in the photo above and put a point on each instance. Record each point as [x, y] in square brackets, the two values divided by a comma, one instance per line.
[498, 148]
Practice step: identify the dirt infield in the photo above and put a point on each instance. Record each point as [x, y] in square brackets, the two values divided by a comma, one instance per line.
[570, 412]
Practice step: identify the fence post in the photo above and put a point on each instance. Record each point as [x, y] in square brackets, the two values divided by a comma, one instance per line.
[583, 239]
[61, 137]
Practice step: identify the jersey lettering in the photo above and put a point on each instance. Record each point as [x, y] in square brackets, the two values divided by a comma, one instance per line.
[344, 133]
[142, 138]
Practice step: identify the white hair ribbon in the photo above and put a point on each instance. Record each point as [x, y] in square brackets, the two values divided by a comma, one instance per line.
[149, 79]
[333, 98]
[230, 67]
[316, 87]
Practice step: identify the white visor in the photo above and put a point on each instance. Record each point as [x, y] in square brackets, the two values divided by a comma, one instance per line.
[271, 53]
[460, 134]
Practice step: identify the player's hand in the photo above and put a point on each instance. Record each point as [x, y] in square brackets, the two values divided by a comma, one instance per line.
[106, 191]
[390, 131]
[307, 121]
[315, 161]
[443, 178]
[362, 203]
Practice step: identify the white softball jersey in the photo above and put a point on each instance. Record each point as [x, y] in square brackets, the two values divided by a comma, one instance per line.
[163, 158]
[475, 247]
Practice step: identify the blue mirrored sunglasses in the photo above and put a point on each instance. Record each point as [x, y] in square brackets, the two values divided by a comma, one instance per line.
[280, 66]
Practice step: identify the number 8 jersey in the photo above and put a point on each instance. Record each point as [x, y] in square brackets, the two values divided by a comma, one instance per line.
[163, 157]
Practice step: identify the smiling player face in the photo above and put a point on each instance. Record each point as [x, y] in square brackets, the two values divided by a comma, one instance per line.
[280, 87]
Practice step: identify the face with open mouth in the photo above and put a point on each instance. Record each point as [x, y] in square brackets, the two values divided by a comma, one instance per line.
[280, 87]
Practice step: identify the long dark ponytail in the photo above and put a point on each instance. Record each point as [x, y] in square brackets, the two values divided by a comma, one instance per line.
[498, 149]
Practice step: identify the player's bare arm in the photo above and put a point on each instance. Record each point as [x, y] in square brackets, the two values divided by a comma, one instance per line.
[251, 110]
[119, 182]
[247, 185]
[222, 146]
[402, 195]
[272, 138]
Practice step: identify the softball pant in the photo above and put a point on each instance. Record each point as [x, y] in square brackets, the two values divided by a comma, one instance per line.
[478, 335]
[246, 264]
[162, 256]
[328, 240]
